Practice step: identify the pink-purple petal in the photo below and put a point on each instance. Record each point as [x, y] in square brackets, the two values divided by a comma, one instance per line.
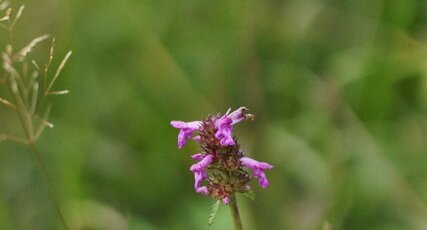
[199, 170]
[202, 190]
[203, 164]
[198, 156]
[257, 169]
[238, 115]
[226, 200]
[186, 131]
[193, 125]
[183, 135]
[224, 131]
[262, 179]
[198, 178]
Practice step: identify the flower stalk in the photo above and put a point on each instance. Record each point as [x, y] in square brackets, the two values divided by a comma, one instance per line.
[235, 215]
[40, 162]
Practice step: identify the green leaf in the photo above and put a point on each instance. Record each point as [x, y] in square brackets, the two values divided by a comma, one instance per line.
[249, 194]
[214, 210]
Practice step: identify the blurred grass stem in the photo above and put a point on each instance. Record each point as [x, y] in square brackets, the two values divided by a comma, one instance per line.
[25, 93]
[235, 215]
[40, 162]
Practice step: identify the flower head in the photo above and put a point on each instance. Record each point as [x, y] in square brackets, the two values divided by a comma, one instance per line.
[220, 170]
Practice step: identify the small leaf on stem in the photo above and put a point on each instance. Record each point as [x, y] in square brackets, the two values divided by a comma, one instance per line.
[214, 210]
[249, 194]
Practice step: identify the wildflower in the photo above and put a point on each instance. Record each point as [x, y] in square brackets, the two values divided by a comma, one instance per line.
[220, 170]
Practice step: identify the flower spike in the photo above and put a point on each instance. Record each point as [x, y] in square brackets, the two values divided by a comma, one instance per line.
[221, 168]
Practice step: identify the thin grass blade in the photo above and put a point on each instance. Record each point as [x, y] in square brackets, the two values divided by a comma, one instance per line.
[44, 123]
[27, 49]
[18, 15]
[58, 71]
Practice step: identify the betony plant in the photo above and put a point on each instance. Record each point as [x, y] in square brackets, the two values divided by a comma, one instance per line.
[222, 170]
[24, 91]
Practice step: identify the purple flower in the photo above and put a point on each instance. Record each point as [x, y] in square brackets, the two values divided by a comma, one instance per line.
[199, 170]
[257, 169]
[198, 156]
[198, 179]
[221, 170]
[202, 190]
[224, 132]
[186, 130]
[203, 164]
[225, 124]
[239, 115]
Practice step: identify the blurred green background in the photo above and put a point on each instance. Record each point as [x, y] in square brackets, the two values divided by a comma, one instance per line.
[339, 89]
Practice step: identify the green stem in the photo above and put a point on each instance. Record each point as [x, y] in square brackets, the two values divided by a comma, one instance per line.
[235, 213]
[40, 162]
